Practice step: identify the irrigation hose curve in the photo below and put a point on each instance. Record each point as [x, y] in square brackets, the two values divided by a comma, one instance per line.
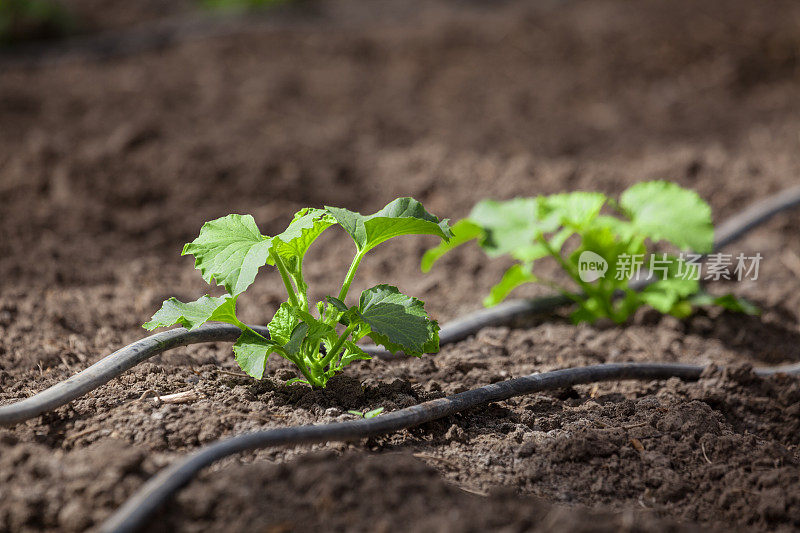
[125, 358]
[136, 511]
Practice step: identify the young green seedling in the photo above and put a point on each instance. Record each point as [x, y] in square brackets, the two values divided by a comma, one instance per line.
[319, 339]
[368, 414]
[529, 229]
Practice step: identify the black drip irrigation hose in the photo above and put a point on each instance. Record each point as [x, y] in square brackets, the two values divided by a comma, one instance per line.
[114, 365]
[125, 358]
[135, 513]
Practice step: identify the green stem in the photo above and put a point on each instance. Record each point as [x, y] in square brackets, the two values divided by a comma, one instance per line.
[615, 312]
[286, 280]
[337, 346]
[302, 288]
[298, 362]
[588, 289]
[562, 290]
[351, 272]
[315, 371]
[311, 379]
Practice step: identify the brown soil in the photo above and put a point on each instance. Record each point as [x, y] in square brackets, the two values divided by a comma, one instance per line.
[108, 167]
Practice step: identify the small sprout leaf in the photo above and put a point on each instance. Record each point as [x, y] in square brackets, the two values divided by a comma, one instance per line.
[337, 303]
[726, 301]
[298, 335]
[663, 295]
[369, 414]
[373, 413]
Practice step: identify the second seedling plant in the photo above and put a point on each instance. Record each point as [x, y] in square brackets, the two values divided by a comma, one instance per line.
[531, 229]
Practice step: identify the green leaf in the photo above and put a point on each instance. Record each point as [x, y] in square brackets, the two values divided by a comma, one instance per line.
[319, 331]
[369, 414]
[404, 216]
[296, 338]
[373, 413]
[557, 241]
[736, 304]
[305, 316]
[337, 303]
[662, 210]
[512, 225]
[602, 241]
[682, 309]
[659, 299]
[307, 225]
[193, 314]
[353, 353]
[726, 301]
[230, 250]
[464, 231]
[282, 324]
[251, 350]
[576, 210]
[623, 229]
[537, 250]
[518, 274]
[588, 311]
[398, 322]
[662, 301]
[310, 330]
[297, 380]
[663, 294]
[530, 229]
[530, 252]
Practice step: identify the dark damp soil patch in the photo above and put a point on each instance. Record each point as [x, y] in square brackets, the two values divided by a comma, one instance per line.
[326, 491]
